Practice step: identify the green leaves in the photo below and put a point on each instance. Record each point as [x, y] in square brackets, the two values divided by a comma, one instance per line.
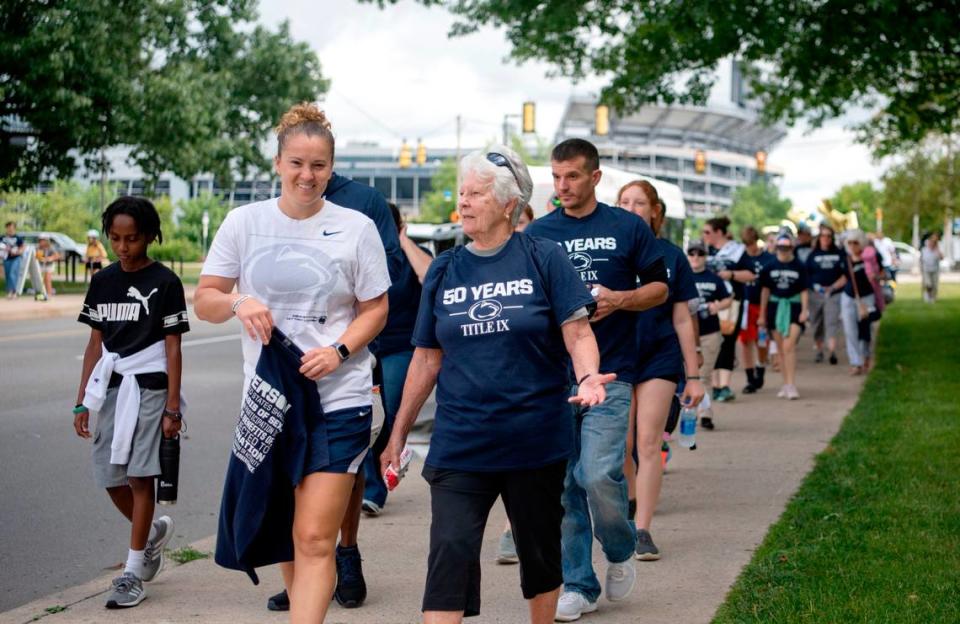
[189, 85]
[804, 59]
[758, 204]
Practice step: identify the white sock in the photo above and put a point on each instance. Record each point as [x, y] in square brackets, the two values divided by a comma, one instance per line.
[135, 563]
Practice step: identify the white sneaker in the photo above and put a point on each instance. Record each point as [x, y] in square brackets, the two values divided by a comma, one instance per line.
[792, 393]
[621, 577]
[783, 392]
[572, 605]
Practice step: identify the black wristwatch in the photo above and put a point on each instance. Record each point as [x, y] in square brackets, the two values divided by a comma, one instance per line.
[342, 351]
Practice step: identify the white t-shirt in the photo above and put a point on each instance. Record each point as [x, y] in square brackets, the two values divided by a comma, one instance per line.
[887, 251]
[930, 259]
[310, 273]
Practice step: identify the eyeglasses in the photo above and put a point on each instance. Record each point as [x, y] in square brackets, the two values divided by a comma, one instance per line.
[696, 252]
[502, 161]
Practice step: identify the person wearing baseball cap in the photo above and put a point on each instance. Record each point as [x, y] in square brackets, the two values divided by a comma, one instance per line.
[784, 307]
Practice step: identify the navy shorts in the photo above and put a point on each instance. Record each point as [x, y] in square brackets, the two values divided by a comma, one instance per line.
[348, 439]
[660, 359]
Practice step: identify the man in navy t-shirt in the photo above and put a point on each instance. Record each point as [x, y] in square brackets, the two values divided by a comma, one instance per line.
[611, 249]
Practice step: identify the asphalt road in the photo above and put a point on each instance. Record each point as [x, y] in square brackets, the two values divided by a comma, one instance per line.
[57, 529]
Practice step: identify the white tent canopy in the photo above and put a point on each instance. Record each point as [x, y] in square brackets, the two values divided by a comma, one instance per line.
[611, 182]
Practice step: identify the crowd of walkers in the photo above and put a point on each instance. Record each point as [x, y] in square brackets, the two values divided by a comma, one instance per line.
[558, 349]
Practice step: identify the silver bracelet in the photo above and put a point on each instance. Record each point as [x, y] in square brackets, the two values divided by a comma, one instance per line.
[237, 302]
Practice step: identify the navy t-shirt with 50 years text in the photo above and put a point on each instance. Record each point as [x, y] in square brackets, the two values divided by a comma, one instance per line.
[503, 387]
[610, 247]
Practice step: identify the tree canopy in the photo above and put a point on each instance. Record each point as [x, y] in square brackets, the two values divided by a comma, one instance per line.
[190, 86]
[925, 184]
[803, 59]
[757, 204]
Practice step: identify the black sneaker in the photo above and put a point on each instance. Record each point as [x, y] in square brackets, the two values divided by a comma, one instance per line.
[758, 374]
[749, 389]
[645, 548]
[351, 589]
[819, 357]
[706, 422]
[279, 602]
[833, 359]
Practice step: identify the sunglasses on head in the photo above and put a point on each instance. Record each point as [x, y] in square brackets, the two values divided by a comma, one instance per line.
[502, 161]
[696, 252]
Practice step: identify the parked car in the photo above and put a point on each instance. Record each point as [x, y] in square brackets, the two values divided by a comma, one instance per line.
[62, 243]
[437, 237]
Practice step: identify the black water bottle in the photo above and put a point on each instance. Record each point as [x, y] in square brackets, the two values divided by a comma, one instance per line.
[169, 471]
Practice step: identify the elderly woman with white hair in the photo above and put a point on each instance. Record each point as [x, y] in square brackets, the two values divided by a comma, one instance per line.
[857, 304]
[498, 319]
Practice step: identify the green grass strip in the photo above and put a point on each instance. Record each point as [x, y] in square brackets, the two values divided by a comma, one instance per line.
[873, 534]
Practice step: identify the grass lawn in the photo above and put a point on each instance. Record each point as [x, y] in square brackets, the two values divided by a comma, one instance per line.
[873, 534]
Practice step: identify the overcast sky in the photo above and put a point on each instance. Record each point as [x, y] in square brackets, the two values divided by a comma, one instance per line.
[394, 74]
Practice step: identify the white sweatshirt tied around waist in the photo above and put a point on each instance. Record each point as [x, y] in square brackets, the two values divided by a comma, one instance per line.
[152, 359]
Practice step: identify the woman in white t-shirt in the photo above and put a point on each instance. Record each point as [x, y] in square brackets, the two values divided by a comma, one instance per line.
[930, 257]
[318, 273]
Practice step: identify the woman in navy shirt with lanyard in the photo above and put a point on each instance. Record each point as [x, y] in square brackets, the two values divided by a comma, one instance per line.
[784, 305]
[667, 353]
[498, 319]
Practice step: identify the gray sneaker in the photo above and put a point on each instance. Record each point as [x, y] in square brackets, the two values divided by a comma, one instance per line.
[646, 549]
[621, 577]
[153, 558]
[507, 552]
[127, 592]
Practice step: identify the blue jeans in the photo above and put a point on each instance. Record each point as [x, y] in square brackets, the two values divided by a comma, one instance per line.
[394, 371]
[596, 488]
[11, 272]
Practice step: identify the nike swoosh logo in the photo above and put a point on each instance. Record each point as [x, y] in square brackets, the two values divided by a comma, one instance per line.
[326, 233]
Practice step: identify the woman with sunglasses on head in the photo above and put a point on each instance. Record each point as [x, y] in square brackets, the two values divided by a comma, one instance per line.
[784, 308]
[857, 303]
[827, 268]
[667, 353]
[498, 319]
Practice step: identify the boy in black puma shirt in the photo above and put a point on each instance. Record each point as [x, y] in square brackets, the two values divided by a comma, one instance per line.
[137, 312]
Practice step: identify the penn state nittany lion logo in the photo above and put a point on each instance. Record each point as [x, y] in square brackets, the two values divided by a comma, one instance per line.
[485, 310]
[580, 260]
[292, 274]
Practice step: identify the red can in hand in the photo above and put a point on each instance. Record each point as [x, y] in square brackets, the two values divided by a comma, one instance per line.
[392, 475]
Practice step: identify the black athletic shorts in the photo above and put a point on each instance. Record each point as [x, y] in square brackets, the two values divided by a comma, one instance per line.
[460, 503]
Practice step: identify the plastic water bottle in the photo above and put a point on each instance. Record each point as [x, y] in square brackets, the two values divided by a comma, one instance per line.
[762, 338]
[688, 427]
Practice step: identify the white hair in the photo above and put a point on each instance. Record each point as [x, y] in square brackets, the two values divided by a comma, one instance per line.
[505, 185]
[855, 235]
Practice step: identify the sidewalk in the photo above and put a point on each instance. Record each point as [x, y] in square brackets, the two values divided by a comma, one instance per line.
[26, 308]
[716, 507]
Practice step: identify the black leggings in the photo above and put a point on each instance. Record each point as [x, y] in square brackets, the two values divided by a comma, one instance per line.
[728, 348]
